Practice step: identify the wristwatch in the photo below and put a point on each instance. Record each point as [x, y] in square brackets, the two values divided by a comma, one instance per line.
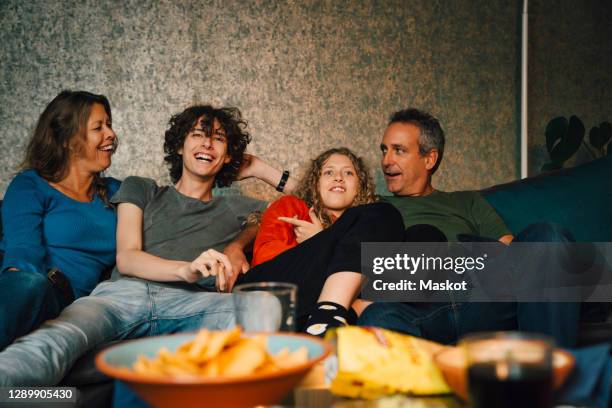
[283, 181]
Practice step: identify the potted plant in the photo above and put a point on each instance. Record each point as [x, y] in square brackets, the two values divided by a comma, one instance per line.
[564, 138]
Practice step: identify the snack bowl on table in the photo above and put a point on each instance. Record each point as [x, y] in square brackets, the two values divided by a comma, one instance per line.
[452, 363]
[194, 391]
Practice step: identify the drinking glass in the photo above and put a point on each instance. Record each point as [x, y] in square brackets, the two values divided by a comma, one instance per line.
[266, 306]
[509, 369]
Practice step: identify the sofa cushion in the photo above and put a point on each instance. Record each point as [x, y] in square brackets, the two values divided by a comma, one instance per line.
[578, 198]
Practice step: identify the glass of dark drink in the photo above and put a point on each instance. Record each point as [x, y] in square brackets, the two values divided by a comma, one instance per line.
[509, 369]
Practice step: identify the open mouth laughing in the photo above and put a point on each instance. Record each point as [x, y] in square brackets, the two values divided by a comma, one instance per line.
[109, 148]
[204, 157]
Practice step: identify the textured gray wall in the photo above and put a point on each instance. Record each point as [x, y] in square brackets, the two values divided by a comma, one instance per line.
[307, 75]
[570, 68]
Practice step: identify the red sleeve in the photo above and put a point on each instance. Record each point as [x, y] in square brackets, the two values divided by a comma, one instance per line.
[275, 236]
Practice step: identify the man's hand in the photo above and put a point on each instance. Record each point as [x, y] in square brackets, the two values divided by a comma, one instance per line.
[209, 263]
[304, 229]
[239, 263]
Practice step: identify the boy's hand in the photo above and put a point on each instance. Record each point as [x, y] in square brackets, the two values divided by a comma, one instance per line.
[239, 263]
[250, 167]
[209, 263]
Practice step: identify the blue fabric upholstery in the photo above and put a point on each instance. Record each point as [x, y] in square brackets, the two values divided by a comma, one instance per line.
[579, 199]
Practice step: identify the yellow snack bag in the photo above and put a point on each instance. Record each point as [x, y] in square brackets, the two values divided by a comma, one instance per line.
[374, 362]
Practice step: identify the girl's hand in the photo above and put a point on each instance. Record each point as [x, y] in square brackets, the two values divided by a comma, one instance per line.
[304, 229]
[209, 263]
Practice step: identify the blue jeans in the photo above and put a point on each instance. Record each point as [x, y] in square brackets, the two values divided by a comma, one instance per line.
[447, 322]
[28, 299]
[123, 309]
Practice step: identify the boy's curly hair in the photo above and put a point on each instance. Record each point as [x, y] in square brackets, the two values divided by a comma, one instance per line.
[230, 120]
[308, 186]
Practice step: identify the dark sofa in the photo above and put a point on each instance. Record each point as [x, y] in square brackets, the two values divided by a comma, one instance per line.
[579, 199]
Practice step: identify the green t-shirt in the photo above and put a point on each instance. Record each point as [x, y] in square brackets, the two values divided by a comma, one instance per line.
[459, 212]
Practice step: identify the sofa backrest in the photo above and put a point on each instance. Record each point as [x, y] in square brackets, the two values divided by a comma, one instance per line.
[578, 198]
[1, 253]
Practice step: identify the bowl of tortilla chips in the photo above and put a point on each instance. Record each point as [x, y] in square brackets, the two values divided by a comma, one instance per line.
[213, 368]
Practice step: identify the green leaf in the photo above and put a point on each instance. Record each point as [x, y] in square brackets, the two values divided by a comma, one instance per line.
[595, 138]
[600, 135]
[605, 128]
[555, 130]
[551, 166]
[570, 142]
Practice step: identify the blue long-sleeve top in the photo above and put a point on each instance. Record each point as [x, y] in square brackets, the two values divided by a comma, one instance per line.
[43, 229]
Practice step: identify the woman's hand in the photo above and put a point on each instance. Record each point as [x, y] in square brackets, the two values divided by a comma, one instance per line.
[209, 263]
[304, 229]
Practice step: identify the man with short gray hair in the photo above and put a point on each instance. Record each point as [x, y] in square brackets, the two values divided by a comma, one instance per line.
[412, 148]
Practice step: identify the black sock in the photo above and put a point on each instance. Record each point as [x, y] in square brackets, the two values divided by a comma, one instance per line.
[325, 316]
[352, 316]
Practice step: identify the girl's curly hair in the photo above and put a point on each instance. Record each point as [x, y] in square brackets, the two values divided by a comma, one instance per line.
[230, 120]
[308, 186]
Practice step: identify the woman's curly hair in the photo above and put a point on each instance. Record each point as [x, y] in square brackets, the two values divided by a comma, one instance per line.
[308, 186]
[230, 120]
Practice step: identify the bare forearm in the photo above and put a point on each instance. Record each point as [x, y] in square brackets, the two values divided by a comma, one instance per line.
[272, 176]
[134, 262]
[246, 237]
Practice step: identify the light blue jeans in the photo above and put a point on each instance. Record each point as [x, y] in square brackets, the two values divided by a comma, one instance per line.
[117, 310]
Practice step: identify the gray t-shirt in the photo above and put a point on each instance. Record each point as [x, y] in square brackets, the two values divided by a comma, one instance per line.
[180, 228]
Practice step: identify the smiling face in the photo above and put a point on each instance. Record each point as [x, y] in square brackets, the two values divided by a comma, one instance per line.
[406, 171]
[204, 155]
[93, 154]
[339, 184]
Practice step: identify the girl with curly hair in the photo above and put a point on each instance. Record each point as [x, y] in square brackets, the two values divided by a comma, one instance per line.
[335, 181]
